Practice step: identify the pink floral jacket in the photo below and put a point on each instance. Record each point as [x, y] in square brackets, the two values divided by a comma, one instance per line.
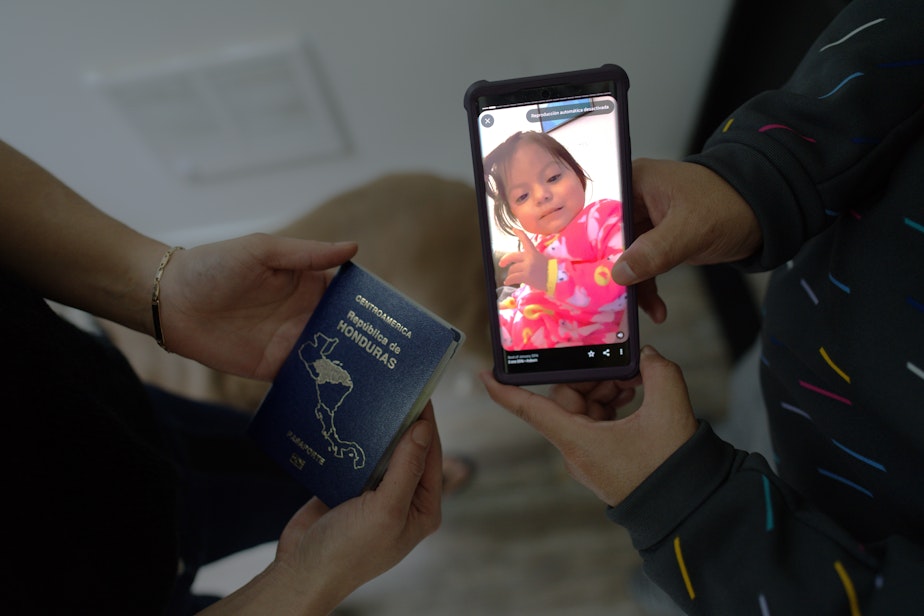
[580, 304]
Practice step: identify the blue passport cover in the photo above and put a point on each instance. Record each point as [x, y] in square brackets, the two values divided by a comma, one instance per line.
[358, 377]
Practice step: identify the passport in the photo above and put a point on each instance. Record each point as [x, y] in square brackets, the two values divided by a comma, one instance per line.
[358, 377]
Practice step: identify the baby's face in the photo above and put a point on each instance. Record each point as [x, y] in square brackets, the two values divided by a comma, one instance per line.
[544, 193]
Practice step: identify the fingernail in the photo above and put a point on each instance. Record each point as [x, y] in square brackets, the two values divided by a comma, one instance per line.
[623, 274]
[422, 433]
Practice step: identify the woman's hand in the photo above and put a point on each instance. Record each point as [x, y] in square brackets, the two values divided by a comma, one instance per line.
[238, 306]
[610, 456]
[683, 213]
[325, 554]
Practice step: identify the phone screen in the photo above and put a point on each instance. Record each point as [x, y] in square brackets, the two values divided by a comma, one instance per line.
[555, 212]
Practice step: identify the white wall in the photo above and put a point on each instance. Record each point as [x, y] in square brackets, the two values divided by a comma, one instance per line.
[397, 70]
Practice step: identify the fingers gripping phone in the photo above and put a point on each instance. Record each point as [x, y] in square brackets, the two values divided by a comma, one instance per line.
[552, 166]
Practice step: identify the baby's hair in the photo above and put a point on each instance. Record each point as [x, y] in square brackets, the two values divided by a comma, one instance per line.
[495, 170]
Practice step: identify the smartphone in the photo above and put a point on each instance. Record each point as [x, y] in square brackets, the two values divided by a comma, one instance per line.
[552, 163]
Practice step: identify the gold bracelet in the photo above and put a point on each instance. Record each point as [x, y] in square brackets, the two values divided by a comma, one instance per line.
[155, 297]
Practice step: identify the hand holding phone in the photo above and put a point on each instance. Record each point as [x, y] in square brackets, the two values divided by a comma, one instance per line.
[553, 178]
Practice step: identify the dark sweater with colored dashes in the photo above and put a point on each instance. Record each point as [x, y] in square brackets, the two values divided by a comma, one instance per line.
[833, 165]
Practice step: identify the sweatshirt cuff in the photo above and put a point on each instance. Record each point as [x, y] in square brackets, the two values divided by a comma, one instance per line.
[676, 488]
[774, 185]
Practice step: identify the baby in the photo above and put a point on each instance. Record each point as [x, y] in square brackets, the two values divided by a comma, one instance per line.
[563, 295]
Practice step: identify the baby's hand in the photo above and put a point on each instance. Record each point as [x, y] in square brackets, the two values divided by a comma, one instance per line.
[527, 267]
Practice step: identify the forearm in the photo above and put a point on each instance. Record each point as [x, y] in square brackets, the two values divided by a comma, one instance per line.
[720, 532]
[275, 591]
[825, 142]
[70, 251]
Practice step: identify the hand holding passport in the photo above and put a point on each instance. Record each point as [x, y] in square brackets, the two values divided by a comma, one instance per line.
[359, 375]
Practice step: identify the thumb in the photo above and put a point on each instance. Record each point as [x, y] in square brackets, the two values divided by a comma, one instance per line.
[299, 254]
[652, 253]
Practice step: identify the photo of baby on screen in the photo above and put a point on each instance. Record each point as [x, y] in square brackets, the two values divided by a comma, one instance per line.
[555, 288]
